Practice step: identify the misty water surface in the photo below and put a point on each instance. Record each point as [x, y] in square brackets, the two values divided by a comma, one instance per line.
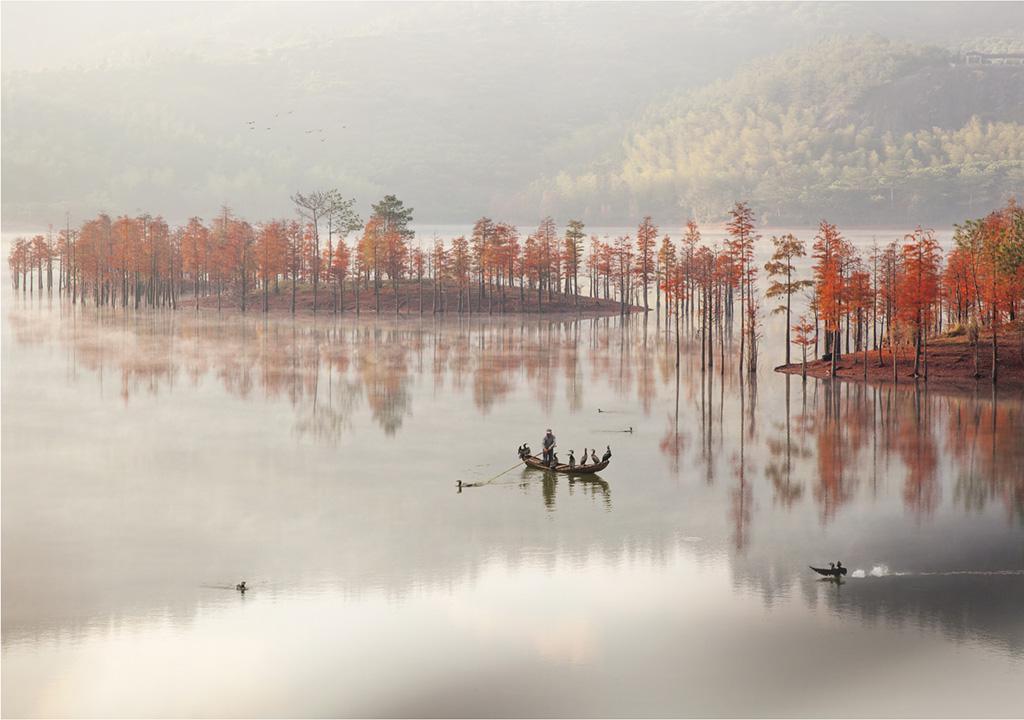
[151, 460]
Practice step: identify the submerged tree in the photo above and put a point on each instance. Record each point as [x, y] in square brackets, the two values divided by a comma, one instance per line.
[829, 250]
[573, 253]
[787, 248]
[805, 333]
[646, 235]
[741, 252]
[919, 287]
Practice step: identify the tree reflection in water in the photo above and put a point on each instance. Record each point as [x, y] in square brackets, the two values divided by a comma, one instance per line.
[836, 438]
[782, 449]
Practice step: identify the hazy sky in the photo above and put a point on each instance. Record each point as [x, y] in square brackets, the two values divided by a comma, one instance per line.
[56, 34]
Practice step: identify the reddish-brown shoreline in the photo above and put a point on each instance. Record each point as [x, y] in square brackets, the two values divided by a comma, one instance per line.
[949, 365]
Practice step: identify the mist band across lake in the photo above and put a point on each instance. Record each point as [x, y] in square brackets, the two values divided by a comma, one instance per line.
[154, 459]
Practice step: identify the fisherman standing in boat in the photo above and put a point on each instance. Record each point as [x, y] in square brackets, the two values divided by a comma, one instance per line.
[548, 445]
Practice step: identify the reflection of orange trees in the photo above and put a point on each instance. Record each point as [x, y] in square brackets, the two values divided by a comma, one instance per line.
[620, 359]
[492, 378]
[742, 495]
[835, 456]
[916, 447]
[541, 358]
[29, 330]
[645, 388]
[986, 448]
[675, 441]
[573, 376]
[742, 498]
[712, 411]
[140, 352]
[382, 363]
[987, 440]
[782, 449]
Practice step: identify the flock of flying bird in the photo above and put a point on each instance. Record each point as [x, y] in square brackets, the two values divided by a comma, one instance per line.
[252, 126]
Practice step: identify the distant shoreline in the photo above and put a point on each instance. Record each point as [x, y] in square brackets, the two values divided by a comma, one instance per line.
[946, 366]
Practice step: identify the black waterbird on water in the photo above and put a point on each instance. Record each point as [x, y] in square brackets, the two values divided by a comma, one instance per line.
[240, 586]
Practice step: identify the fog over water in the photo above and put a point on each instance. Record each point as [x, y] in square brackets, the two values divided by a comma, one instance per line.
[153, 459]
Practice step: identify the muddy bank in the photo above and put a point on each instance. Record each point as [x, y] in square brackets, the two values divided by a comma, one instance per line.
[948, 365]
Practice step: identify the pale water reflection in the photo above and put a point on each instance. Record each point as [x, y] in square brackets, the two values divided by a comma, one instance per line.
[152, 460]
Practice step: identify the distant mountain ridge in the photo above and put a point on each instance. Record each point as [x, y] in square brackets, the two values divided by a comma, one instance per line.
[603, 112]
[862, 129]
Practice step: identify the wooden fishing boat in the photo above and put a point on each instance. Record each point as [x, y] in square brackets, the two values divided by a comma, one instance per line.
[537, 462]
[833, 571]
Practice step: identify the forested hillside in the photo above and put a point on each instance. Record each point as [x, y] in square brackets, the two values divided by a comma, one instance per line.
[853, 129]
[604, 112]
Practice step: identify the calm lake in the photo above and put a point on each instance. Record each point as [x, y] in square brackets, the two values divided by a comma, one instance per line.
[151, 460]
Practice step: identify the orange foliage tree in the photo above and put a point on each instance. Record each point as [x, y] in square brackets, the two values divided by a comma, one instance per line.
[646, 234]
[918, 288]
[829, 251]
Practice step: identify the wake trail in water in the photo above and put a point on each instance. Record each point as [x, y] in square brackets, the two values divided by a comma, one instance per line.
[884, 571]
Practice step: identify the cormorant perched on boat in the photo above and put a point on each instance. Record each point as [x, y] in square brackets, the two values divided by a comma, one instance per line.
[607, 454]
[240, 586]
[572, 460]
[593, 456]
[583, 458]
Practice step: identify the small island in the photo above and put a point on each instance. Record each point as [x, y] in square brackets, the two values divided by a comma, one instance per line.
[897, 298]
